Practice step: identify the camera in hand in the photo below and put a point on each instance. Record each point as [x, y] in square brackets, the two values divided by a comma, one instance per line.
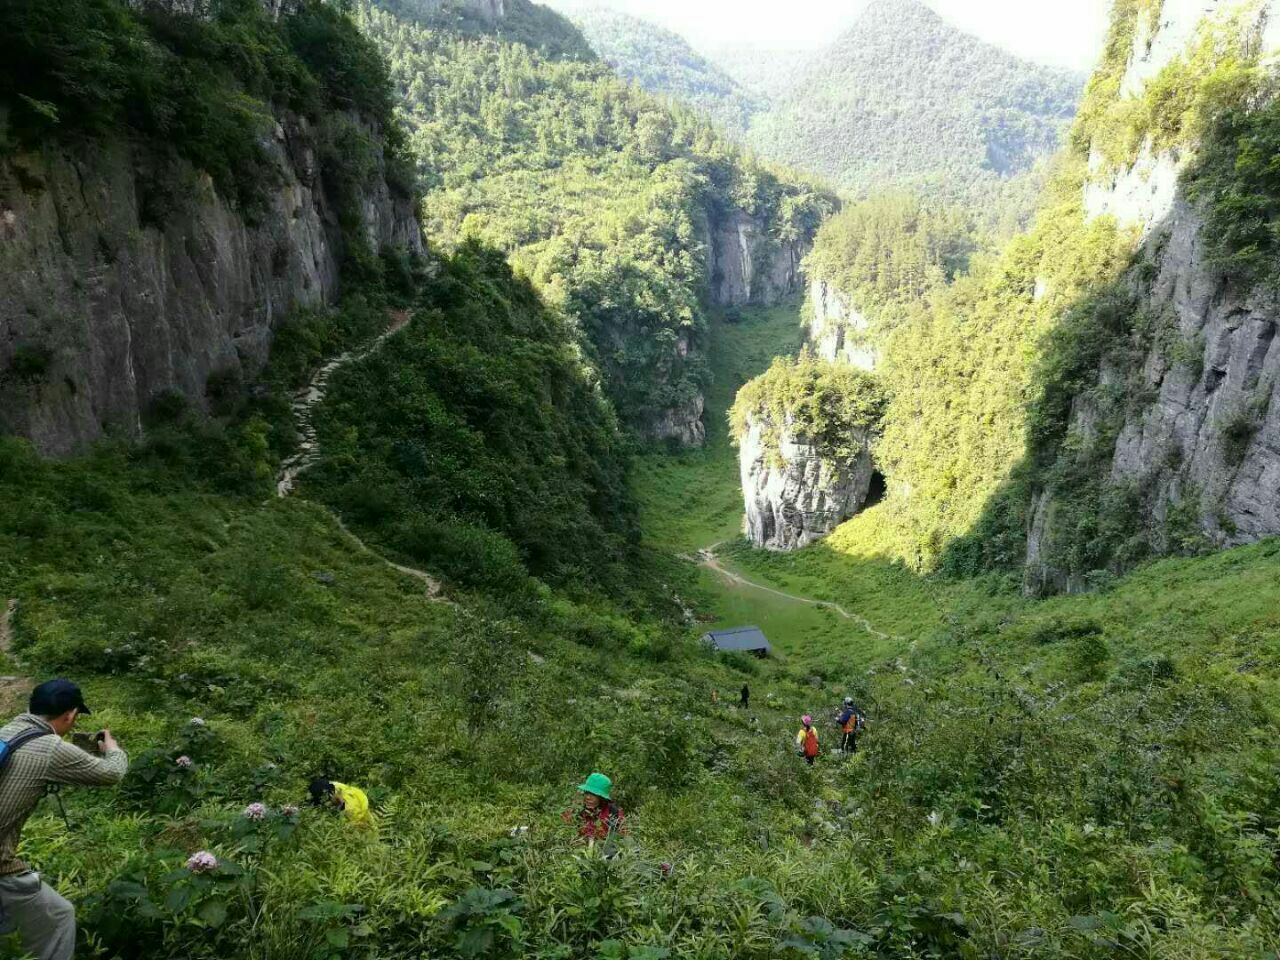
[88, 742]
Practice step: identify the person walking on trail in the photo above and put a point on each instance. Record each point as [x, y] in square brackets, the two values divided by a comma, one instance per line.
[34, 760]
[599, 818]
[807, 740]
[849, 720]
[745, 702]
[352, 801]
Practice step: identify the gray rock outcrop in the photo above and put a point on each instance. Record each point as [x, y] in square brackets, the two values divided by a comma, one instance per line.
[800, 495]
[1203, 446]
[747, 266]
[106, 303]
[744, 266]
[838, 329]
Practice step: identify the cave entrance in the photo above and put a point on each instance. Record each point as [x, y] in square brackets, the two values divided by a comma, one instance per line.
[876, 491]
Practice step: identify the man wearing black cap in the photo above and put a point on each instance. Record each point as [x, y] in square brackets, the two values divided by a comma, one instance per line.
[41, 758]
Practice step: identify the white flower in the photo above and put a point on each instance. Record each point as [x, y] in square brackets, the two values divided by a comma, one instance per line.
[197, 722]
[183, 761]
[289, 810]
[202, 862]
[255, 811]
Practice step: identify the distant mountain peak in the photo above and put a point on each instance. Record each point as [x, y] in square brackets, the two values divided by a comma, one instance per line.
[898, 11]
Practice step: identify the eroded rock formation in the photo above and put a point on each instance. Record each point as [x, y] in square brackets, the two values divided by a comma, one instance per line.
[800, 493]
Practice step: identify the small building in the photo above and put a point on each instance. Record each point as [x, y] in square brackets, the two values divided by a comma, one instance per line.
[742, 640]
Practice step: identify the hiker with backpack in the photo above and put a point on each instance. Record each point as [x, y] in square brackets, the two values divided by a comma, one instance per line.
[34, 760]
[849, 719]
[807, 740]
[599, 818]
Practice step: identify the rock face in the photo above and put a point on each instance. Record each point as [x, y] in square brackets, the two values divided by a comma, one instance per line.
[801, 495]
[744, 266]
[1205, 448]
[837, 329]
[106, 304]
[747, 266]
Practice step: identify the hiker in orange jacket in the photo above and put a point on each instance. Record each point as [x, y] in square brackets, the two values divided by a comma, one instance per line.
[807, 740]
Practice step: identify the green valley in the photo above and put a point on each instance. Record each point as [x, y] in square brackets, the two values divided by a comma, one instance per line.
[374, 379]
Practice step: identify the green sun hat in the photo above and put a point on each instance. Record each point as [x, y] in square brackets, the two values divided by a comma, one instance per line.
[598, 784]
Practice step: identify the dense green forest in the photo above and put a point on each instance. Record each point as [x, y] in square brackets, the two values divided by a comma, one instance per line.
[662, 62]
[891, 251]
[901, 100]
[600, 193]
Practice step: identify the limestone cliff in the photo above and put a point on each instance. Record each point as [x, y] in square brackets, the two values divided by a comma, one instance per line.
[745, 265]
[118, 303]
[800, 494]
[837, 329]
[1199, 440]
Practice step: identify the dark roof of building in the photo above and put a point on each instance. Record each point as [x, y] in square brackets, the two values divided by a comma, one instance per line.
[743, 638]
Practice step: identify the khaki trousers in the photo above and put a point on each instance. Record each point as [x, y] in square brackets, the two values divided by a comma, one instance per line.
[44, 919]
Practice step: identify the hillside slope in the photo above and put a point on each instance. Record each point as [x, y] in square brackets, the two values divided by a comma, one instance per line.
[664, 63]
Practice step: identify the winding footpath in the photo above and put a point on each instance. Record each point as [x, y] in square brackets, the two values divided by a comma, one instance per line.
[707, 558]
[304, 404]
[306, 399]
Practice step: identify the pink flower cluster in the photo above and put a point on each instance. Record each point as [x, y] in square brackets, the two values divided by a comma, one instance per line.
[183, 761]
[289, 810]
[255, 811]
[202, 862]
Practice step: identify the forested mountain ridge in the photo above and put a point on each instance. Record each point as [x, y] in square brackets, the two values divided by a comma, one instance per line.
[904, 99]
[629, 212]
[901, 100]
[663, 62]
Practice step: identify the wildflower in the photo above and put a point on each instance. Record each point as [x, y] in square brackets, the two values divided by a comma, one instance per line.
[197, 722]
[183, 761]
[666, 869]
[289, 810]
[255, 811]
[202, 862]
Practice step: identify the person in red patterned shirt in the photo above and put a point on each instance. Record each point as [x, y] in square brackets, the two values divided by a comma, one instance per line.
[599, 817]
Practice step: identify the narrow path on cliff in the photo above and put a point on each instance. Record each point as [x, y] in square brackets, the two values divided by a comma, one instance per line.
[707, 558]
[305, 402]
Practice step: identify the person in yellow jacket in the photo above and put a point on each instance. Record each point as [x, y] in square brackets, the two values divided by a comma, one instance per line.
[352, 801]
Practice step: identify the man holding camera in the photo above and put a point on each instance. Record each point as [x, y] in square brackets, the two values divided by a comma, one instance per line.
[37, 759]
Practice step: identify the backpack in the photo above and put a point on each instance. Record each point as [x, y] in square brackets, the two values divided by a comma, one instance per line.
[9, 747]
[811, 743]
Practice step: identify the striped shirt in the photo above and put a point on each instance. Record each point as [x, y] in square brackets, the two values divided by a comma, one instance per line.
[32, 768]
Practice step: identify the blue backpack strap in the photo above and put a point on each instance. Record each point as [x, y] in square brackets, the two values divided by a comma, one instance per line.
[9, 747]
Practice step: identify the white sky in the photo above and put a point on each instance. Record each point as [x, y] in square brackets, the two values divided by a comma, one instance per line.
[1065, 33]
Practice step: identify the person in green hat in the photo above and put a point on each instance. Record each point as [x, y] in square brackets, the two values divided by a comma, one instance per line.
[599, 817]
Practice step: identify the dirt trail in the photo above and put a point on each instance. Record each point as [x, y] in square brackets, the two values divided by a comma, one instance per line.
[707, 558]
[306, 399]
[308, 455]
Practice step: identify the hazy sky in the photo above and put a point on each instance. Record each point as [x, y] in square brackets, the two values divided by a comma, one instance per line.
[1062, 32]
